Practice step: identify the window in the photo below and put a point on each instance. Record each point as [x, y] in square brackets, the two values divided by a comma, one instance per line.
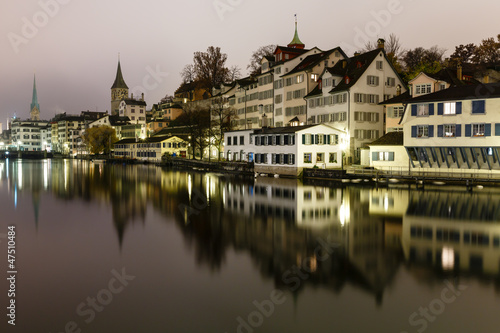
[300, 78]
[307, 158]
[380, 65]
[442, 86]
[235, 140]
[449, 108]
[398, 111]
[320, 157]
[278, 99]
[423, 89]
[422, 110]
[383, 156]
[449, 131]
[333, 158]
[372, 80]
[478, 129]
[314, 77]
[278, 70]
[423, 131]
[391, 82]
[242, 140]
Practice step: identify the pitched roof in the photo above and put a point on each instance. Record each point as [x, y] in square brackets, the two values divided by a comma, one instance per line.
[119, 81]
[400, 99]
[477, 91]
[134, 102]
[278, 130]
[354, 69]
[390, 139]
[315, 92]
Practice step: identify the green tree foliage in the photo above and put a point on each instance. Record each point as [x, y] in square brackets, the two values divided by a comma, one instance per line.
[196, 119]
[100, 139]
[488, 52]
[422, 60]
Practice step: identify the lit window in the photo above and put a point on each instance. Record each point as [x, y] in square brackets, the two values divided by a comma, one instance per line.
[449, 131]
[478, 129]
[449, 108]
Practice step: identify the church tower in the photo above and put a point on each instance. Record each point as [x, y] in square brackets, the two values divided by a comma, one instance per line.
[296, 43]
[119, 91]
[35, 107]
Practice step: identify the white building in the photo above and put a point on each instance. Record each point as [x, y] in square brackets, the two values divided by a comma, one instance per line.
[152, 149]
[287, 150]
[348, 96]
[454, 129]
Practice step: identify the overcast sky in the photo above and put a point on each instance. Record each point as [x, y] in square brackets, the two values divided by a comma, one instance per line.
[73, 45]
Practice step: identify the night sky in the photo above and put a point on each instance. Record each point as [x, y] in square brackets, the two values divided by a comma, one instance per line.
[73, 45]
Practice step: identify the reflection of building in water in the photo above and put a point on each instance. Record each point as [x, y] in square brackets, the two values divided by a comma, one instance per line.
[308, 206]
[300, 215]
[453, 231]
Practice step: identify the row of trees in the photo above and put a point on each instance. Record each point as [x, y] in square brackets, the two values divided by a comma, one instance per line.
[413, 61]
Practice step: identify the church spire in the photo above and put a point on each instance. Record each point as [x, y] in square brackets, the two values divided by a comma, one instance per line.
[35, 107]
[296, 43]
[119, 81]
[34, 100]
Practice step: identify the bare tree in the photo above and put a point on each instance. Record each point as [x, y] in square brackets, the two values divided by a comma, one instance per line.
[255, 59]
[188, 74]
[222, 118]
[234, 73]
[210, 68]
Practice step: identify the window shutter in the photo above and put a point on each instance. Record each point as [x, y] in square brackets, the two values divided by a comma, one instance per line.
[487, 129]
[431, 131]
[414, 131]
[374, 156]
[440, 131]
[477, 106]
[293, 158]
[325, 139]
[328, 138]
[440, 109]
[391, 156]
[458, 130]
[468, 130]
[497, 129]
[431, 109]
[458, 108]
[414, 110]
[316, 139]
[303, 139]
[292, 137]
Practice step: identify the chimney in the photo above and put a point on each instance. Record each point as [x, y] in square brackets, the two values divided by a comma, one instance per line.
[380, 43]
[398, 90]
[142, 97]
[459, 71]
[132, 96]
[344, 63]
[264, 121]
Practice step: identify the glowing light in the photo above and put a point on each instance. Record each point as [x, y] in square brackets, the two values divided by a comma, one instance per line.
[344, 213]
[190, 187]
[20, 174]
[448, 258]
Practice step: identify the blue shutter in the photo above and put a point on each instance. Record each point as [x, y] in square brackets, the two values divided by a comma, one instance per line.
[303, 139]
[458, 130]
[458, 108]
[468, 130]
[431, 131]
[431, 109]
[375, 156]
[414, 110]
[497, 129]
[414, 131]
[477, 106]
[440, 131]
[440, 109]
[391, 156]
[487, 129]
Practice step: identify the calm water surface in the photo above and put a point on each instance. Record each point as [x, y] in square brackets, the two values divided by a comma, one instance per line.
[104, 248]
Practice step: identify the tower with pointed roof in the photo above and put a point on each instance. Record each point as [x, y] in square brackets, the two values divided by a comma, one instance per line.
[296, 43]
[119, 91]
[35, 107]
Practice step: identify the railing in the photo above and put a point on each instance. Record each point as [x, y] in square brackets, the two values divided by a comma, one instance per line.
[395, 172]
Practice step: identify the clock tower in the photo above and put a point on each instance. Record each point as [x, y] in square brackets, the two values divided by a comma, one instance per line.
[35, 107]
[119, 91]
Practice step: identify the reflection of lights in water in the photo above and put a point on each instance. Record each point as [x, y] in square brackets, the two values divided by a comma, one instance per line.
[448, 258]
[190, 187]
[45, 174]
[20, 174]
[15, 196]
[386, 203]
[207, 185]
[224, 194]
[344, 213]
[66, 167]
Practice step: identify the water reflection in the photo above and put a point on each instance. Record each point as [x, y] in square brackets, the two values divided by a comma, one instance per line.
[281, 222]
